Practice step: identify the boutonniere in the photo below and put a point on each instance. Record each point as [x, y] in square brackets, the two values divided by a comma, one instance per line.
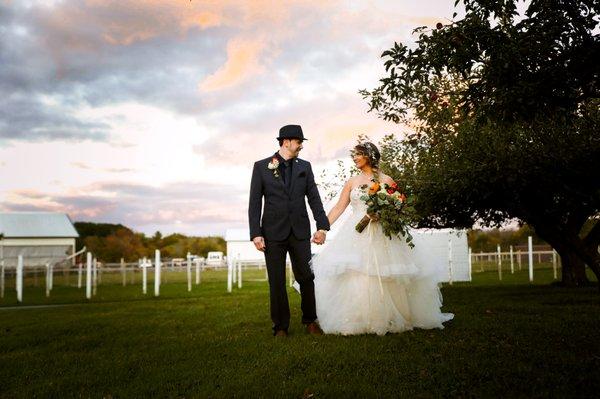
[273, 165]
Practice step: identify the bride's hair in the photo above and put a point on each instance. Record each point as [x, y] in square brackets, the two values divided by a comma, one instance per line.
[370, 151]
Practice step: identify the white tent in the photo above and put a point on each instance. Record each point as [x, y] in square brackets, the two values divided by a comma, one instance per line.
[447, 250]
[41, 237]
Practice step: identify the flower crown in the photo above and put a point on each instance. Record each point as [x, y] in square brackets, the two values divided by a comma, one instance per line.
[371, 152]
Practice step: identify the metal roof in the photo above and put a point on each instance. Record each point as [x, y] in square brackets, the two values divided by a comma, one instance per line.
[36, 224]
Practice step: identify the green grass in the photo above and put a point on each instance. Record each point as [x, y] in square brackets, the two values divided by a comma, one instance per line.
[508, 338]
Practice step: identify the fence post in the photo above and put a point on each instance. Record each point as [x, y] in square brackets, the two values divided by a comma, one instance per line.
[47, 280]
[519, 259]
[51, 277]
[88, 276]
[554, 264]
[156, 272]
[144, 276]
[530, 248]
[470, 264]
[197, 271]
[2, 279]
[19, 283]
[499, 263]
[234, 271]
[123, 272]
[189, 271]
[512, 261]
[229, 274]
[94, 276]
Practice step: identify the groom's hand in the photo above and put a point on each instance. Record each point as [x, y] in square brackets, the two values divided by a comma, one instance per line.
[259, 243]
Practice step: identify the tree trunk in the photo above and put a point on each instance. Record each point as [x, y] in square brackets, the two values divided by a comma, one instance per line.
[572, 252]
[573, 269]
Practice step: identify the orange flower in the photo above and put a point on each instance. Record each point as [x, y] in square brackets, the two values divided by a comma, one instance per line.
[374, 188]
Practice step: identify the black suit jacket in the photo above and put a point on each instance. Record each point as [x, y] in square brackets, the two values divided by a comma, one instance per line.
[284, 211]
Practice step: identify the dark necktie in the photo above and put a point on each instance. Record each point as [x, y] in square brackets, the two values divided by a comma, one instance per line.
[288, 173]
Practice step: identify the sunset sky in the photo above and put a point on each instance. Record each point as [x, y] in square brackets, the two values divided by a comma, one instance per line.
[151, 113]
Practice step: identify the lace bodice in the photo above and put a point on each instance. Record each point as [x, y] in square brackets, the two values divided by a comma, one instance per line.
[357, 204]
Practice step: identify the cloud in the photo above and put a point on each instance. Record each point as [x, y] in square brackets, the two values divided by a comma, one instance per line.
[30, 119]
[80, 165]
[331, 127]
[189, 207]
[242, 63]
[201, 58]
[119, 170]
[233, 71]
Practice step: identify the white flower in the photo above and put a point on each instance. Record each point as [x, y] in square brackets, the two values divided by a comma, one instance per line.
[274, 164]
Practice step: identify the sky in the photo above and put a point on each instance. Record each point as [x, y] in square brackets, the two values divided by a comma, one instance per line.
[152, 113]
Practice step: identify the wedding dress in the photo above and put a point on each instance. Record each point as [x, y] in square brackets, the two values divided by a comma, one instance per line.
[367, 283]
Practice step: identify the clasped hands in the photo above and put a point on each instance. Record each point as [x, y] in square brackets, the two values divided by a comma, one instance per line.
[319, 237]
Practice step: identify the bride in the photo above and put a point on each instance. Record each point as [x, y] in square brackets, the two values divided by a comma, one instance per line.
[365, 282]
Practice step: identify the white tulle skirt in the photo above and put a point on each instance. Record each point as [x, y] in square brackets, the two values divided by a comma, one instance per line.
[367, 283]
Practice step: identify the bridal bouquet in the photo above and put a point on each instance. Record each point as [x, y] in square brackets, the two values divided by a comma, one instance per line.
[387, 205]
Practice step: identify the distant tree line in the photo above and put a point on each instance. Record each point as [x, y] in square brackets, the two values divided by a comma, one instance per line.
[111, 242]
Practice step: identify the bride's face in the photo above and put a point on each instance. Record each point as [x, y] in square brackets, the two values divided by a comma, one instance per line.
[360, 160]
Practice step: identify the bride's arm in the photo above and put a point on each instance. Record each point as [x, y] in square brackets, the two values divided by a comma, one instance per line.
[342, 203]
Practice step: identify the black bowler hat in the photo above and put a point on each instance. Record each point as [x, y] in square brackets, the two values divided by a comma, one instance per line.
[291, 132]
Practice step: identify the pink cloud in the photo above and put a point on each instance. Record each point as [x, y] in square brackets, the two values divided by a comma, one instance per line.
[242, 63]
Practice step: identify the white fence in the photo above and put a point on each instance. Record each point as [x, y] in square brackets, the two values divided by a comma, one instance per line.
[88, 275]
[511, 259]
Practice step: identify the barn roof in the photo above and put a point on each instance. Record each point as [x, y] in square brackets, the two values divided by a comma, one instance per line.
[36, 224]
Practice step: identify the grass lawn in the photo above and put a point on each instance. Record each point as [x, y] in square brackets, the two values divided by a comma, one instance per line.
[508, 338]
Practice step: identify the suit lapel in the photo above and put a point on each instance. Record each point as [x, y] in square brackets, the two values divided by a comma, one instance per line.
[296, 169]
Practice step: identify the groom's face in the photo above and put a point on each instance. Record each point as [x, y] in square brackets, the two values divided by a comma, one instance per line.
[294, 146]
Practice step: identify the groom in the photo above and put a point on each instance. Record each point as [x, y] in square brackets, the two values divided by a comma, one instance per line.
[284, 180]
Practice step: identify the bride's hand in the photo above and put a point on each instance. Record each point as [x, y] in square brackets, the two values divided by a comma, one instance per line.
[373, 216]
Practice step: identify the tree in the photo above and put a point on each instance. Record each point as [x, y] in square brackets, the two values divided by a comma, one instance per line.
[504, 111]
[87, 229]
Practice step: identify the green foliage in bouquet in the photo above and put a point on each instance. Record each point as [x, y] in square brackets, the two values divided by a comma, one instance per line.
[392, 209]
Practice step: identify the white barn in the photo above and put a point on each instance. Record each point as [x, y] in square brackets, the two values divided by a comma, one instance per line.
[447, 250]
[41, 237]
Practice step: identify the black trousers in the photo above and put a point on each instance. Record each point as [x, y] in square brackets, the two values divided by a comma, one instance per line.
[275, 256]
